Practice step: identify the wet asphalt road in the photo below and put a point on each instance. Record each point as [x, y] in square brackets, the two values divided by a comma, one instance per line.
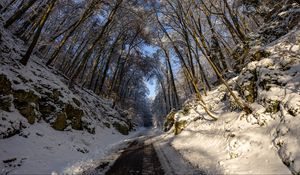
[137, 159]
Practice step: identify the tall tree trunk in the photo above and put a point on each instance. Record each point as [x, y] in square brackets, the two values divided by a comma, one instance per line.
[235, 22]
[7, 6]
[18, 14]
[114, 78]
[74, 62]
[34, 17]
[100, 36]
[71, 29]
[44, 18]
[108, 63]
[190, 77]
[244, 106]
[94, 67]
[164, 95]
[218, 50]
[172, 78]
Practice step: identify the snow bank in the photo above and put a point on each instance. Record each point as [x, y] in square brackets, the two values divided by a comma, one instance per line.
[264, 142]
[42, 150]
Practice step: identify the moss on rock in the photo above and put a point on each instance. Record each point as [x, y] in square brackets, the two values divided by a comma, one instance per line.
[5, 103]
[186, 110]
[251, 95]
[5, 85]
[46, 109]
[77, 123]
[123, 129]
[259, 54]
[61, 121]
[29, 112]
[23, 96]
[55, 95]
[247, 85]
[169, 121]
[27, 104]
[179, 126]
[74, 114]
[273, 106]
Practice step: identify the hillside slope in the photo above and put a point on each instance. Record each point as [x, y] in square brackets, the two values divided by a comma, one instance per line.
[266, 141]
[45, 125]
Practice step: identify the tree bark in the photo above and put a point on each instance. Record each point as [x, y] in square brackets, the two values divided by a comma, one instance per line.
[19, 13]
[44, 18]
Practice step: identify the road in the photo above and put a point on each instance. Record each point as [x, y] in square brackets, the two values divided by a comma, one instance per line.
[138, 159]
[147, 154]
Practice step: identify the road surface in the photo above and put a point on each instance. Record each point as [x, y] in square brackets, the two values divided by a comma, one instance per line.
[147, 154]
[138, 159]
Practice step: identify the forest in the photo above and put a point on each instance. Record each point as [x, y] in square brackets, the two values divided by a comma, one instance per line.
[86, 65]
[99, 45]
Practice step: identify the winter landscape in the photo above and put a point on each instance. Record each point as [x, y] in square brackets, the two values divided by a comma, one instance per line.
[149, 87]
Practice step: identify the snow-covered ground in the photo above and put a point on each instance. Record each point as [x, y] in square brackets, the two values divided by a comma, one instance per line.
[264, 142]
[171, 160]
[43, 95]
[46, 151]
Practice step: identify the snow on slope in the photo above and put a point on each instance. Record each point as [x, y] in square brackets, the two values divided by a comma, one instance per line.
[37, 148]
[45, 151]
[264, 142]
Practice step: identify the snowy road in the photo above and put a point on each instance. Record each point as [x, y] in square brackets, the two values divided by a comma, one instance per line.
[148, 154]
[139, 158]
